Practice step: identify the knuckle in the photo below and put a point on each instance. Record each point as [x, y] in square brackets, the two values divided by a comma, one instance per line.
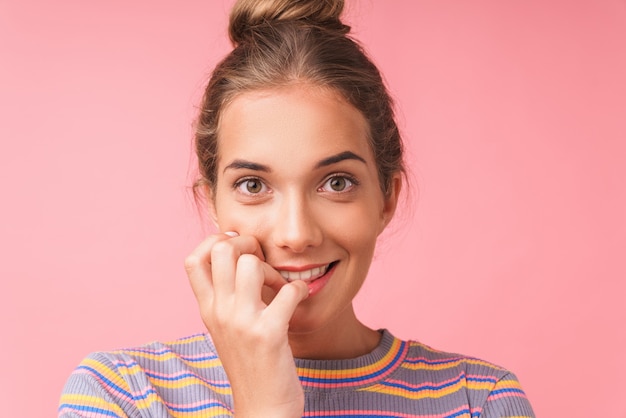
[192, 262]
[249, 262]
[222, 250]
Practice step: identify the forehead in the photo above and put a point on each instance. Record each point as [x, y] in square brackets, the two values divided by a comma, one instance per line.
[289, 122]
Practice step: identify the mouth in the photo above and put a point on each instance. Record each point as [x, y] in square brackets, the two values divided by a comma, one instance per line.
[308, 275]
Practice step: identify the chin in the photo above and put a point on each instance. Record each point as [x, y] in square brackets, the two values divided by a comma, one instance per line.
[306, 321]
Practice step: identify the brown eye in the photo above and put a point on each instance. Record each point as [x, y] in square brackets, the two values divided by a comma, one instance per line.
[338, 184]
[253, 186]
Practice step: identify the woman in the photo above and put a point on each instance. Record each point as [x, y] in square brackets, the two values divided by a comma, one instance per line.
[301, 164]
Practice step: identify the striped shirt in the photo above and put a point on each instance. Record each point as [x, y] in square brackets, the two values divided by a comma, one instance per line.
[399, 378]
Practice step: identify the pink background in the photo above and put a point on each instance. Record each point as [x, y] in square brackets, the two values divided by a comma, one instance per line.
[512, 247]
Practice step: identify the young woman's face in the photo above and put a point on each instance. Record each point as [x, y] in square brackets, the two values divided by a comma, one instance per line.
[296, 171]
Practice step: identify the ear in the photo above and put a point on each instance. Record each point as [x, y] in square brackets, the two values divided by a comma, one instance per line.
[391, 201]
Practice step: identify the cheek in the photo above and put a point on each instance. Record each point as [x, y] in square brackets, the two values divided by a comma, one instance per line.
[356, 231]
[243, 219]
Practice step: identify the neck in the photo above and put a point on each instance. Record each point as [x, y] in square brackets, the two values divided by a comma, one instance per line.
[343, 338]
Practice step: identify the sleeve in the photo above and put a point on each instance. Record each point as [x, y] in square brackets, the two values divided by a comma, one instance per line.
[96, 389]
[507, 400]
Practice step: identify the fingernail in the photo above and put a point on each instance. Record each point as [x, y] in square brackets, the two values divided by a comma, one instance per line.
[231, 233]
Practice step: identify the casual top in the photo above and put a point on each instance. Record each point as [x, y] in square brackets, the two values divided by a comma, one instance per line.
[399, 378]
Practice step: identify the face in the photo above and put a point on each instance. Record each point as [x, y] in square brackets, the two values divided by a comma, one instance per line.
[296, 171]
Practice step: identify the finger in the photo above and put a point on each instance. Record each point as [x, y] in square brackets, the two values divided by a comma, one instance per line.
[281, 309]
[224, 257]
[248, 283]
[252, 274]
[198, 267]
[272, 278]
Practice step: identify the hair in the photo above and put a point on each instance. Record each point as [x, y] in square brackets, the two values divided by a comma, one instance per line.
[278, 43]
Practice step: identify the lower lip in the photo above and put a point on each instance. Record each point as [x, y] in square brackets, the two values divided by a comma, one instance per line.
[318, 284]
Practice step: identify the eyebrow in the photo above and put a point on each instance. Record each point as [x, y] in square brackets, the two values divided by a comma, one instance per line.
[249, 165]
[333, 159]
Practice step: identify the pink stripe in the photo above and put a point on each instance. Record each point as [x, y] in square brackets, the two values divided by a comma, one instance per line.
[436, 360]
[507, 395]
[379, 413]
[166, 376]
[429, 383]
[197, 404]
[110, 389]
[341, 385]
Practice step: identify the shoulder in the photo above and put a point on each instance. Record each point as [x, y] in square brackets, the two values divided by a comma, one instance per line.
[424, 357]
[486, 386]
[121, 382]
[196, 350]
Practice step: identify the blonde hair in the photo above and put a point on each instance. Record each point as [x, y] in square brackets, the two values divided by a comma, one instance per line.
[282, 42]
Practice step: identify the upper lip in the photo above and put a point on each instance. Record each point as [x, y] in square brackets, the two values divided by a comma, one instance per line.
[306, 273]
[300, 268]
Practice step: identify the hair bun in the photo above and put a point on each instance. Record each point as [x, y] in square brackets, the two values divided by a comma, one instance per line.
[249, 14]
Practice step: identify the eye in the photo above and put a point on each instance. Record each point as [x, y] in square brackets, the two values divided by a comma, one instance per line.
[250, 186]
[338, 184]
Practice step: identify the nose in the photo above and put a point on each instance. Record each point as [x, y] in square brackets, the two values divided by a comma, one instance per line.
[296, 225]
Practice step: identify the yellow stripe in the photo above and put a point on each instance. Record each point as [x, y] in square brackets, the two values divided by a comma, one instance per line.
[422, 394]
[106, 372]
[92, 401]
[354, 372]
[152, 398]
[162, 358]
[213, 412]
[508, 384]
[171, 384]
[189, 381]
[444, 366]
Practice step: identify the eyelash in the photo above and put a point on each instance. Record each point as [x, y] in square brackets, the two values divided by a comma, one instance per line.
[237, 185]
[354, 182]
[351, 179]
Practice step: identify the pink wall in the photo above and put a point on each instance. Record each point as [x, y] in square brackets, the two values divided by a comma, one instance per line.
[513, 249]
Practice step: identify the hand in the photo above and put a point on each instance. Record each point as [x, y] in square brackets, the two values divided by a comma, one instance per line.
[227, 275]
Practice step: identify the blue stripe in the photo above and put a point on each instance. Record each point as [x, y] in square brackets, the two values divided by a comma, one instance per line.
[107, 381]
[145, 395]
[184, 376]
[360, 378]
[199, 359]
[508, 390]
[167, 350]
[431, 362]
[461, 377]
[162, 378]
[355, 415]
[148, 351]
[197, 408]
[429, 387]
[133, 363]
[458, 414]
[482, 379]
[87, 409]
[112, 414]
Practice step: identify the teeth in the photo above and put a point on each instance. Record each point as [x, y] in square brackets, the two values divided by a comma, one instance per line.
[311, 274]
